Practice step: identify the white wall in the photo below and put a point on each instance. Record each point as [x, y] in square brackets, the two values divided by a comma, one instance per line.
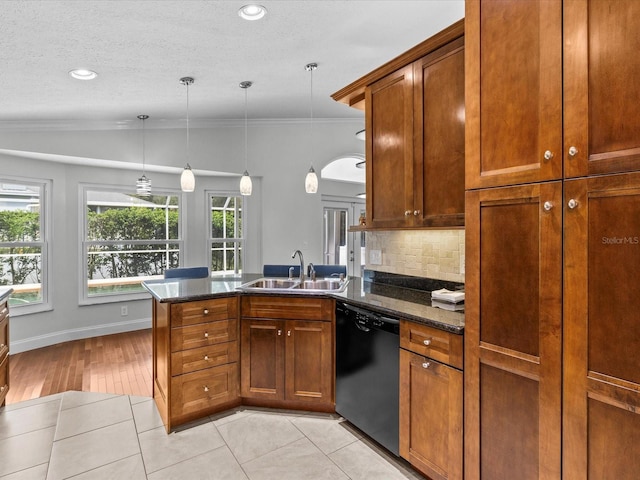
[280, 216]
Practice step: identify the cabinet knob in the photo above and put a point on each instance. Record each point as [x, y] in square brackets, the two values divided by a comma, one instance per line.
[2, 388]
[2, 345]
[427, 342]
[426, 364]
[573, 151]
[548, 155]
[416, 213]
[205, 388]
[573, 203]
[279, 332]
[407, 213]
[206, 311]
[206, 357]
[547, 206]
[288, 333]
[206, 335]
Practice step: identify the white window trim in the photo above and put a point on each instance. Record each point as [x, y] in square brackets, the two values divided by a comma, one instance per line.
[210, 239]
[83, 293]
[46, 241]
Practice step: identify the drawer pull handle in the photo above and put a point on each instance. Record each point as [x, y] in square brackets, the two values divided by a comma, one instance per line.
[548, 155]
[206, 335]
[407, 213]
[206, 311]
[206, 389]
[206, 357]
[426, 365]
[416, 213]
[288, 333]
[427, 342]
[279, 332]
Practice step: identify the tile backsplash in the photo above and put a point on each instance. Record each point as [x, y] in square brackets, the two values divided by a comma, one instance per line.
[423, 253]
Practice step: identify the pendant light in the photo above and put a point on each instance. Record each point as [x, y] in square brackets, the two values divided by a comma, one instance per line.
[245, 182]
[143, 184]
[187, 179]
[311, 180]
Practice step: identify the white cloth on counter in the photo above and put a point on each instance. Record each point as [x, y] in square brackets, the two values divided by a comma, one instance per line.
[450, 296]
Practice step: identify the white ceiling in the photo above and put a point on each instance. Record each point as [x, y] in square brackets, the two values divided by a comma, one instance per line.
[141, 48]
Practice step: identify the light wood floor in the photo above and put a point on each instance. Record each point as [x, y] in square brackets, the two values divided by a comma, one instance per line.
[119, 364]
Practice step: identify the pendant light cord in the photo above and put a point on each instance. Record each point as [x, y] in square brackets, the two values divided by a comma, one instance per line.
[187, 84]
[246, 147]
[143, 147]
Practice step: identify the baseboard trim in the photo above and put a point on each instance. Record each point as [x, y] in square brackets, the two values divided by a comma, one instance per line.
[49, 339]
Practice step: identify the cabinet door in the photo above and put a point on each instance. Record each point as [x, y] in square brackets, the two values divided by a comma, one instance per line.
[431, 416]
[309, 361]
[262, 359]
[513, 332]
[602, 331]
[602, 67]
[513, 75]
[389, 144]
[439, 137]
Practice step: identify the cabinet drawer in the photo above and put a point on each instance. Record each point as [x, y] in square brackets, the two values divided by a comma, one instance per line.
[294, 308]
[199, 391]
[203, 334]
[195, 359]
[431, 342]
[191, 313]
[4, 379]
[4, 337]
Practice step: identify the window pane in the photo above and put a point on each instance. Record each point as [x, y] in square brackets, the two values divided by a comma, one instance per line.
[226, 257]
[19, 213]
[120, 268]
[21, 267]
[121, 216]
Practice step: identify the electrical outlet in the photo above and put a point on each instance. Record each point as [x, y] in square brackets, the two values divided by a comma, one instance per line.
[375, 257]
[124, 311]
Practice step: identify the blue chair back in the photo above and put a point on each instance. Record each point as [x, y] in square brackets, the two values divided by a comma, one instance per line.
[187, 272]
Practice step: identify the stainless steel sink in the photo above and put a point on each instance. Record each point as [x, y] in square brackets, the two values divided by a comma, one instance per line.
[285, 285]
[270, 284]
[321, 284]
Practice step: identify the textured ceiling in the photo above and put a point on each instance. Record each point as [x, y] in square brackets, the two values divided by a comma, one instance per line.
[141, 48]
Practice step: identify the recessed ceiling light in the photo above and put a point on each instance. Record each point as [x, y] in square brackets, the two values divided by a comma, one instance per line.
[252, 12]
[83, 74]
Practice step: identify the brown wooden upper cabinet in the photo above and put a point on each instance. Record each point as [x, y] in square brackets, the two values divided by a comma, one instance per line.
[522, 60]
[414, 119]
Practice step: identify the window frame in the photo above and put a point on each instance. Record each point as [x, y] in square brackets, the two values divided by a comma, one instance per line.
[45, 243]
[84, 243]
[239, 242]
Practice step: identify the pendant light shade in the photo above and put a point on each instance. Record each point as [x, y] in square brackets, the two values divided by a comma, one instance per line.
[187, 179]
[246, 185]
[143, 184]
[311, 180]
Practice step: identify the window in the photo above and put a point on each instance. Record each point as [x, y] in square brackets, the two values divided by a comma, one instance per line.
[225, 233]
[127, 239]
[24, 235]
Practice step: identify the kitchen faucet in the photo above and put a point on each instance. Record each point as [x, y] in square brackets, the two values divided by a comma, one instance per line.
[299, 253]
[312, 272]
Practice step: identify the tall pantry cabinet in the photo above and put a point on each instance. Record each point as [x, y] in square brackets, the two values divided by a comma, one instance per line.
[552, 382]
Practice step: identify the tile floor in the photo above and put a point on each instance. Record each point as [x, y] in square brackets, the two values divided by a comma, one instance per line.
[95, 436]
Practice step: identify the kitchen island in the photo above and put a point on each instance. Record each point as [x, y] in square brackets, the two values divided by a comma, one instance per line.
[216, 347]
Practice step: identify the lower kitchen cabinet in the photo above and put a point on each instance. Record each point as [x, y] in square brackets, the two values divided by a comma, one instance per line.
[195, 358]
[4, 351]
[431, 401]
[287, 362]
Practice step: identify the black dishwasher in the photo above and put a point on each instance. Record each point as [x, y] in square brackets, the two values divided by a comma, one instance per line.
[367, 372]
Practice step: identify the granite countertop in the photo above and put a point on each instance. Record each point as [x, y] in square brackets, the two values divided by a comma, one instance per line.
[407, 303]
[5, 292]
